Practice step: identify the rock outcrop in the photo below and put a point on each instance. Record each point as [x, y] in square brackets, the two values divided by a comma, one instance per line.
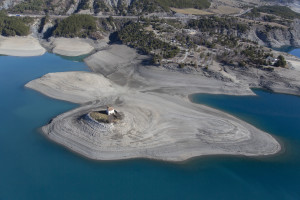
[276, 37]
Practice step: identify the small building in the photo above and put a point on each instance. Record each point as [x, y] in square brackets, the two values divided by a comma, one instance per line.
[190, 31]
[110, 110]
[270, 60]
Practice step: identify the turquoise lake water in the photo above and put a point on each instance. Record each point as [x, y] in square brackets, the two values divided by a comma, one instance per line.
[33, 167]
[295, 52]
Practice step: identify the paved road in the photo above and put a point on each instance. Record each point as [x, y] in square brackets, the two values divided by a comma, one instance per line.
[100, 16]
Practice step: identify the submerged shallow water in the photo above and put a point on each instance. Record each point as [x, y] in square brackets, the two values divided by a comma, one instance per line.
[295, 52]
[34, 168]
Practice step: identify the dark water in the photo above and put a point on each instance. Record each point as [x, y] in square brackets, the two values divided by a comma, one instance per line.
[289, 49]
[286, 49]
[32, 167]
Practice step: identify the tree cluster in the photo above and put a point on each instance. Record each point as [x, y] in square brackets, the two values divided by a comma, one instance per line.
[134, 35]
[198, 4]
[214, 23]
[11, 26]
[150, 6]
[28, 5]
[143, 6]
[99, 6]
[80, 25]
[281, 62]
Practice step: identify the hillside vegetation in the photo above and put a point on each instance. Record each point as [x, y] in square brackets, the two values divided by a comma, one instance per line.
[83, 5]
[211, 24]
[135, 7]
[149, 6]
[11, 26]
[135, 36]
[99, 6]
[199, 4]
[29, 5]
[42, 6]
[280, 11]
[80, 25]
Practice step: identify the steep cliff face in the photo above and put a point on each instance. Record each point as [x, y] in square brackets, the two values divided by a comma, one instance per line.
[296, 33]
[276, 37]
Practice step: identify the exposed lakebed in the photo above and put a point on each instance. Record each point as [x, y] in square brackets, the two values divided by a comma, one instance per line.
[32, 167]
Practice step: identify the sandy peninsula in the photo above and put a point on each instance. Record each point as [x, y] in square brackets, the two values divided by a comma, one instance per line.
[20, 46]
[160, 121]
[71, 46]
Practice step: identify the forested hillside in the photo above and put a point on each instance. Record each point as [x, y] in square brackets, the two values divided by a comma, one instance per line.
[135, 36]
[78, 25]
[11, 26]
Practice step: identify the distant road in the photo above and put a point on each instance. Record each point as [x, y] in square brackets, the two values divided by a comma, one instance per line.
[99, 16]
[243, 12]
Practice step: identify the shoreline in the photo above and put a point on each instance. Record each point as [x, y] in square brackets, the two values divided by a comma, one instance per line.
[188, 160]
[106, 155]
[26, 46]
[280, 152]
[73, 47]
[134, 84]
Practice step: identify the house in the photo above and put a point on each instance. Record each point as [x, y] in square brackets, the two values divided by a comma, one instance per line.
[270, 60]
[110, 110]
[190, 31]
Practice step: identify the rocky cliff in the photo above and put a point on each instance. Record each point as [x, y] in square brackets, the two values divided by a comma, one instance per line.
[275, 37]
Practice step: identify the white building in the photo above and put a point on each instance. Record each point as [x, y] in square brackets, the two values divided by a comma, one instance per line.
[110, 111]
[271, 60]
